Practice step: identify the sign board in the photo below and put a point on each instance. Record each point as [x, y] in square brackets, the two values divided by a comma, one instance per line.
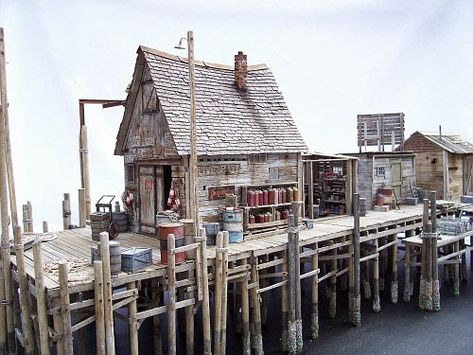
[218, 193]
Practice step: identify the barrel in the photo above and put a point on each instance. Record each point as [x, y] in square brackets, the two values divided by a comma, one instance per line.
[189, 234]
[171, 228]
[265, 197]
[232, 222]
[115, 256]
[289, 194]
[295, 192]
[271, 197]
[251, 198]
[211, 231]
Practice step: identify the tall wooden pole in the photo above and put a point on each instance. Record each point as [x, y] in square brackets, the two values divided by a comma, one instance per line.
[355, 302]
[193, 183]
[5, 244]
[435, 267]
[84, 163]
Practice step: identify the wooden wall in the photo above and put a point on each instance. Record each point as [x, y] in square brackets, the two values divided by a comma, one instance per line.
[455, 177]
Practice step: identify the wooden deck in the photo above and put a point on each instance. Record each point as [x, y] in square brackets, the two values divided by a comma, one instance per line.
[76, 244]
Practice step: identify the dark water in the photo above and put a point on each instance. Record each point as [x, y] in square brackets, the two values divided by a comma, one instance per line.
[398, 329]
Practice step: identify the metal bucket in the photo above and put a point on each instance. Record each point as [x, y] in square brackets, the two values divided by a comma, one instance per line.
[171, 228]
[233, 223]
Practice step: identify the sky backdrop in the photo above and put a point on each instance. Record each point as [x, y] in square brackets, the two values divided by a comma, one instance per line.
[332, 60]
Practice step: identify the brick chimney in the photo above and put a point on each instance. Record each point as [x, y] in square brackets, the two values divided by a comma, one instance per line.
[241, 70]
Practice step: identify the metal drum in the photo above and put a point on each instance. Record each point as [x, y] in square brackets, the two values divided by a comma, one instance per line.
[171, 228]
[233, 223]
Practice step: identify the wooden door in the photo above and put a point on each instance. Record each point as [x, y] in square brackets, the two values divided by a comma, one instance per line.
[396, 178]
[151, 196]
[468, 175]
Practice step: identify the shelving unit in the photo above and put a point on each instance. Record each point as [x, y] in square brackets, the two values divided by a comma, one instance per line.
[272, 208]
[334, 190]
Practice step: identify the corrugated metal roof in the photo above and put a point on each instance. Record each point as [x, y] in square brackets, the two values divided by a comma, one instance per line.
[452, 143]
[229, 121]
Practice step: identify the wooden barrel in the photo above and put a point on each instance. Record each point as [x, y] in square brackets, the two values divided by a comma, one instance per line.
[233, 223]
[189, 235]
[115, 256]
[171, 228]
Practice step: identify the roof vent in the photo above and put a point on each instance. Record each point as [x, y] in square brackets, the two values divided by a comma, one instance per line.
[241, 70]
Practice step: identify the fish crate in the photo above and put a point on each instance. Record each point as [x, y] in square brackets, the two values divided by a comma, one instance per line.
[135, 259]
[453, 226]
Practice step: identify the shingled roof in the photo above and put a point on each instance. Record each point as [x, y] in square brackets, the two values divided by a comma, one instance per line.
[452, 143]
[229, 121]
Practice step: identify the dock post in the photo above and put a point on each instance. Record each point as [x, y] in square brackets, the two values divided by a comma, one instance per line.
[394, 282]
[58, 326]
[298, 293]
[84, 162]
[82, 208]
[314, 319]
[256, 336]
[407, 271]
[376, 298]
[65, 310]
[66, 212]
[157, 336]
[354, 289]
[41, 298]
[205, 293]
[435, 267]
[332, 308]
[171, 307]
[245, 314]
[189, 312]
[45, 227]
[99, 308]
[223, 324]
[107, 293]
[3, 315]
[425, 291]
[285, 302]
[218, 290]
[133, 324]
[366, 278]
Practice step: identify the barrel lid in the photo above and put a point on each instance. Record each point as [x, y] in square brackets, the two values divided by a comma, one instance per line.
[187, 220]
[171, 225]
[113, 244]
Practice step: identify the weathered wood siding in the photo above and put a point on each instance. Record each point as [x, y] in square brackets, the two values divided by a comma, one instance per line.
[429, 163]
[455, 177]
[242, 170]
[369, 181]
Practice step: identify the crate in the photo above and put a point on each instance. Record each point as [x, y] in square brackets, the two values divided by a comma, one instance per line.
[411, 201]
[135, 259]
[466, 199]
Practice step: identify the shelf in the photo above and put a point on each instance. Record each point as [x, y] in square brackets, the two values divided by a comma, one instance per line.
[268, 206]
[270, 185]
[281, 222]
[337, 202]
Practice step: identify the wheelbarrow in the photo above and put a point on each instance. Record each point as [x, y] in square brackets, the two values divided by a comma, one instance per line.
[104, 203]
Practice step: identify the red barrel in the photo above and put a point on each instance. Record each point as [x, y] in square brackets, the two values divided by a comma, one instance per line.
[171, 228]
[256, 198]
[271, 197]
[285, 214]
[252, 219]
[265, 197]
[266, 218]
[251, 198]
[261, 198]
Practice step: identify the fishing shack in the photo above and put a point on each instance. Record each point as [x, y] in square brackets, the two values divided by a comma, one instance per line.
[247, 141]
[444, 163]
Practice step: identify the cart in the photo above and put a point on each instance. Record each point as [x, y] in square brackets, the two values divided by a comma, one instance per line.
[105, 202]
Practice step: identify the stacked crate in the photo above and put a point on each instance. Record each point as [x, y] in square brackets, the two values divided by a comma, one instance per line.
[99, 222]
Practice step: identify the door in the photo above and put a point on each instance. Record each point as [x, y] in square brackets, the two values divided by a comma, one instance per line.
[468, 175]
[396, 179]
[147, 176]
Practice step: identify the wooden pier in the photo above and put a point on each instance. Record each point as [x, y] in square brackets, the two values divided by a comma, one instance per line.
[330, 254]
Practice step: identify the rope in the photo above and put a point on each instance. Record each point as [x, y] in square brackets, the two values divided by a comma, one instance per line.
[77, 269]
[429, 235]
[173, 216]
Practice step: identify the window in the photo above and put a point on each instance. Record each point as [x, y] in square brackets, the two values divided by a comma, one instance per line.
[380, 171]
[130, 172]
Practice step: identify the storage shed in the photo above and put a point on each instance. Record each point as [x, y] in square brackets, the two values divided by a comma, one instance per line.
[444, 163]
[390, 170]
[246, 136]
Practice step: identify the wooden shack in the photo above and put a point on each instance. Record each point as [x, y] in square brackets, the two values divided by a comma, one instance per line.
[246, 136]
[329, 184]
[444, 163]
[386, 170]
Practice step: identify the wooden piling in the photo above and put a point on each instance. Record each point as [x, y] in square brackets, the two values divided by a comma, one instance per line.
[366, 278]
[376, 299]
[82, 208]
[245, 314]
[205, 293]
[66, 212]
[171, 307]
[407, 271]
[256, 336]
[285, 304]
[223, 327]
[58, 324]
[25, 218]
[435, 267]
[425, 291]
[65, 308]
[107, 293]
[314, 318]
[133, 324]
[27, 325]
[157, 336]
[189, 313]
[218, 291]
[3, 327]
[42, 315]
[394, 282]
[84, 160]
[45, 227]
[99, 308]
[298, 293]
[332, 307]
[355, 311]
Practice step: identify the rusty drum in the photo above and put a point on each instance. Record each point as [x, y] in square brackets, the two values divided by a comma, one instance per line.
[171, 228]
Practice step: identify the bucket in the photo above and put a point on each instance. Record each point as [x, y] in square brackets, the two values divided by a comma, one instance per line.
[188, 225]
[171, 228]
[211, 230]
[162, 218]
[232, 222]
